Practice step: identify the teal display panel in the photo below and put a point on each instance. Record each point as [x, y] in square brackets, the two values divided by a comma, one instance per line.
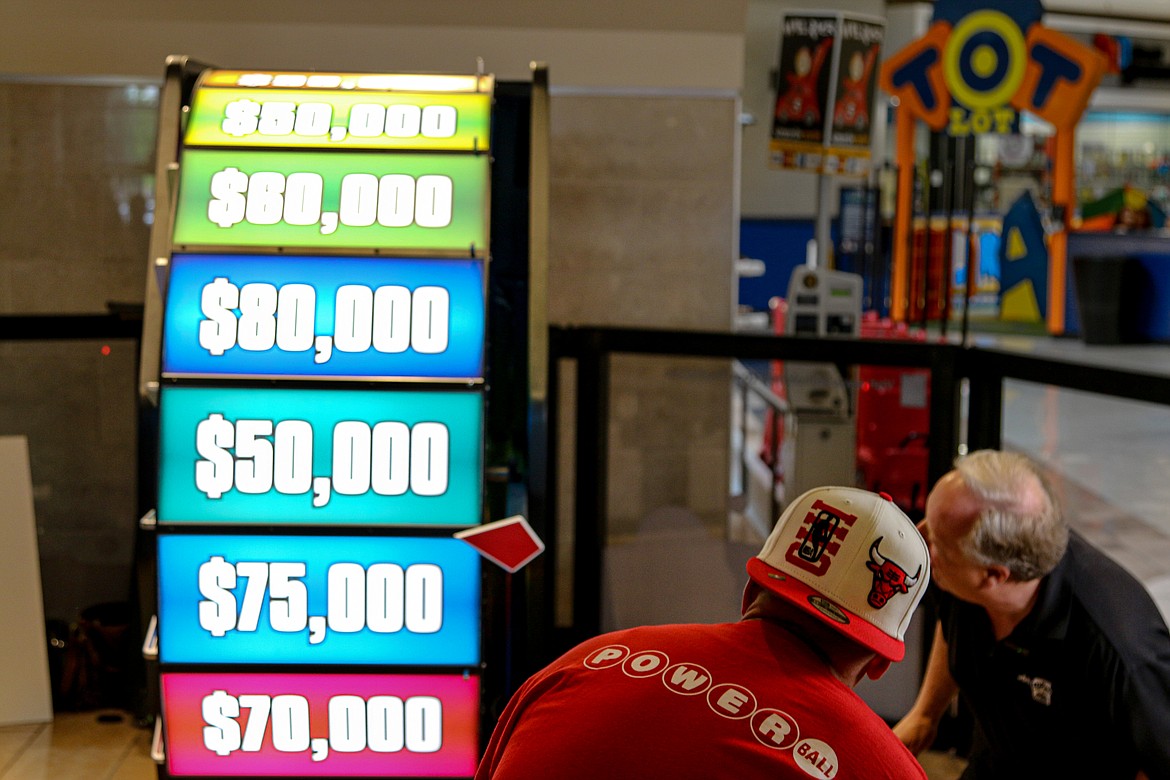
[406, 601]
[398, 203]
[331, 457]
[261, 316]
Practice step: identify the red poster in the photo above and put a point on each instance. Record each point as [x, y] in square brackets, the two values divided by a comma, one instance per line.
[803, 91]
[860, 49]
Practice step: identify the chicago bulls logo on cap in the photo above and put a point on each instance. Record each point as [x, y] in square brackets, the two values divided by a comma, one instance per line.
[819, 538]
[889, 579]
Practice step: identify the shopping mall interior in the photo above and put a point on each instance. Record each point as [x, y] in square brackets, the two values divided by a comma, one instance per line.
[646, 374]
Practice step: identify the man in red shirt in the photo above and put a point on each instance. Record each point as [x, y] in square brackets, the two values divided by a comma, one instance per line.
[828, 602]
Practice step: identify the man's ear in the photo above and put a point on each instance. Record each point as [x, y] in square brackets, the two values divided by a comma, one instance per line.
[876, 667]
[750, 590]
[996, 575]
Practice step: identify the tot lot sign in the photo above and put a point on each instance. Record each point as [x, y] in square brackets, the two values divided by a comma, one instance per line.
[980, 64]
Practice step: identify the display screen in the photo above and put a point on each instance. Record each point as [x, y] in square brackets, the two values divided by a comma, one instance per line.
[410, 601]
[308, 118]
[394, 203]
[320, 457]
[331, 725]
[329, 317]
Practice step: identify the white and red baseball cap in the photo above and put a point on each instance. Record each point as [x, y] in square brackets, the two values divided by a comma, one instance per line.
[850, 558]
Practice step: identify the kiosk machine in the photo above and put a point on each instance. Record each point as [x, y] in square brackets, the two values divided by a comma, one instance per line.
[821, 444]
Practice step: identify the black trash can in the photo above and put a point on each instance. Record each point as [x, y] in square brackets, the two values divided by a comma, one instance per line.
[1109, 290]
[98, 659]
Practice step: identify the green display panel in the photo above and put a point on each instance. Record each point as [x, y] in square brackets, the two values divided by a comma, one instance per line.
[339, 119]
[390, 203]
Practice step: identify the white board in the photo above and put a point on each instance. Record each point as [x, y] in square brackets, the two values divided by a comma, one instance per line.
[24, 660]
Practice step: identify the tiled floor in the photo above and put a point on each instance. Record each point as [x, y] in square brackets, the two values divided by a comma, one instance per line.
[104, 745]
[942, 766]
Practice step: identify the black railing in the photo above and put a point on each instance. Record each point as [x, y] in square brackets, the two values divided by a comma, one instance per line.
[984, 370]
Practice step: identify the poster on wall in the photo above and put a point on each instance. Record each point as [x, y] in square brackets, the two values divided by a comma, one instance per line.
[825, 90]
[803, 84]
[860, 48]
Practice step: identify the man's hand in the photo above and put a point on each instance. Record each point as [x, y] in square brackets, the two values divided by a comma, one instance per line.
[917, 732]
[919, 727]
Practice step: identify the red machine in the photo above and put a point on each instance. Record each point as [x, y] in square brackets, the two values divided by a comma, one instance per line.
[892, 416]
[893, 422]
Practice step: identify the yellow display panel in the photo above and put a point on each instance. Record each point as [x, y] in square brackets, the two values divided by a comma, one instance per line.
[339, 118]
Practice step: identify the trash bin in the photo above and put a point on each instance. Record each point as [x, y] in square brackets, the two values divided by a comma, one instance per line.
[97, 659]
[1108, 291]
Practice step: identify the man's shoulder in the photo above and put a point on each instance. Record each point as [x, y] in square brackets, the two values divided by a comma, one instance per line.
[1100, 583]
[1116, 602]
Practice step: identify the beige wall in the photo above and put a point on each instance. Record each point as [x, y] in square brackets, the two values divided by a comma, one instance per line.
[642, 201]
[655, 43]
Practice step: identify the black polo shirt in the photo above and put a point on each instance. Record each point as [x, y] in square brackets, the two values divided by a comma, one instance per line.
[1081, 688]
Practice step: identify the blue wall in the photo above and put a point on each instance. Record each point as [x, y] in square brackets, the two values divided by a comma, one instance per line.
[781, 244]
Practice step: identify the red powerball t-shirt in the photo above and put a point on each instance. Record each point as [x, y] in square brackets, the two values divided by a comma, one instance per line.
[743, 699]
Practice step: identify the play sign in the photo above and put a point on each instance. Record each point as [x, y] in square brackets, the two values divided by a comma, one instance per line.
[510, 543]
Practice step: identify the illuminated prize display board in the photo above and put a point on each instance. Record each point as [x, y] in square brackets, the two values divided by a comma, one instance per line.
[321, 425]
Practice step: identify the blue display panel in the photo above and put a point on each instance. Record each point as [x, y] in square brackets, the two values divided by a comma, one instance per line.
[323, 317]
[318, 600]
[320, 457]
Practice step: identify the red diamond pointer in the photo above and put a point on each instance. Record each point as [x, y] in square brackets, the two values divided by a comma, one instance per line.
[510, 543]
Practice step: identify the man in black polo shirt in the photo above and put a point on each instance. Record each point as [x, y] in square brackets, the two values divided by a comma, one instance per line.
[1061, 655]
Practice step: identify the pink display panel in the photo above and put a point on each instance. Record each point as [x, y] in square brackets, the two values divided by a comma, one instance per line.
[331, 725]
